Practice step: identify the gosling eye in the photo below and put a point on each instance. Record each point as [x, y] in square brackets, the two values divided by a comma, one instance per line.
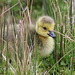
[44, 28]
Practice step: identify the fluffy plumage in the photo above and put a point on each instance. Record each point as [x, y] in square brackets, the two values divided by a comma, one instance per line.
[44, 29]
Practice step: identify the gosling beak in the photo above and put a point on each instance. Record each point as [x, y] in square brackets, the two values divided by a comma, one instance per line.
[51, 33]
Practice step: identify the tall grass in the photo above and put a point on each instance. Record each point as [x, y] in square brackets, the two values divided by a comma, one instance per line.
[62, 14]
[23, 50]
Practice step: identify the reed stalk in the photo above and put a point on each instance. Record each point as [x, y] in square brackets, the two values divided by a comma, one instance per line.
[35, 53]
[65, 33]
[0, 7]
[45, 5]
[4, 29]
[26, 50]
[61, 48]
[71, 65]
[31, 7]
[7, 48]
[17, 54]
[13, 42]
[71, 2]
[56, 47]
[1, 58]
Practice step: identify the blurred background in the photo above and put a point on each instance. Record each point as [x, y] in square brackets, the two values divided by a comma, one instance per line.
[17, 54]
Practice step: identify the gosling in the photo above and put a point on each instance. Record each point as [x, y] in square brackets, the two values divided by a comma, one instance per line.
[44, 29]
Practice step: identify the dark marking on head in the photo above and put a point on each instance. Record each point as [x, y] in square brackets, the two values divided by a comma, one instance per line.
[47, 20]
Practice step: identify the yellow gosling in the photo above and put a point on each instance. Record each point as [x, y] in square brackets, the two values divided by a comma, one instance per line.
[44, 28]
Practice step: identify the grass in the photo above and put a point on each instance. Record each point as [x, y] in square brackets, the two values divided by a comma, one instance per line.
[21, 51]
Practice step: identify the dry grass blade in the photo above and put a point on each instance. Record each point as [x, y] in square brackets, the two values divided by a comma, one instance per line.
[29, 16]
[64, 35]
[31, 7]
[9, 8]
[71, 64]
[20, 4]
[25, 54]
[18, 61]
[8, 22]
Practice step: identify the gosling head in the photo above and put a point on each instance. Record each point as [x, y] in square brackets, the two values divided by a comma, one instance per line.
[45, 26]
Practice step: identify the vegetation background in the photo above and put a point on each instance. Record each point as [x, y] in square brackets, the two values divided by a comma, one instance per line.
[17, 55]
